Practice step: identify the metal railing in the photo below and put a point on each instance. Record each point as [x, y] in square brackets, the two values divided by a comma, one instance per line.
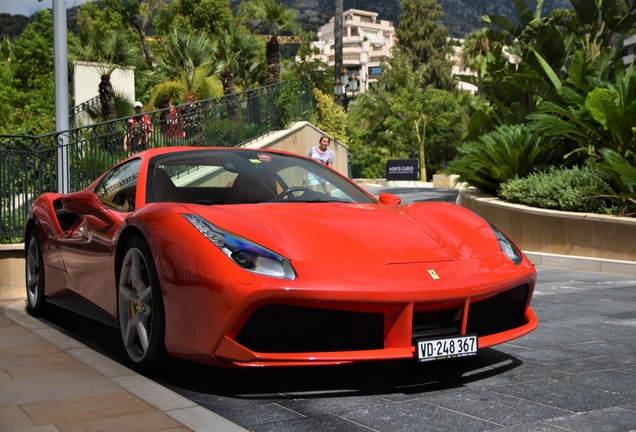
[79, 114]
[28, 165]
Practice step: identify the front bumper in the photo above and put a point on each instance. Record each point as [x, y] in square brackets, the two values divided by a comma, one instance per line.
[288, 335]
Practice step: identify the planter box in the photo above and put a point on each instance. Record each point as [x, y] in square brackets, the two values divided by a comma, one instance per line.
[12, 271]
[557, 232]
[445, 181]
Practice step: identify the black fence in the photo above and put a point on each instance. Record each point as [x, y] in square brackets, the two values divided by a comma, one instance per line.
[28, 165]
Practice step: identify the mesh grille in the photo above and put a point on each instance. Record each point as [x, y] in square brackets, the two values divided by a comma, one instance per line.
[436, 323]
[284, 329]
[499, 313]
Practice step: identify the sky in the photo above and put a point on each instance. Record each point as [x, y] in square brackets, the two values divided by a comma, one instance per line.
[29, 7]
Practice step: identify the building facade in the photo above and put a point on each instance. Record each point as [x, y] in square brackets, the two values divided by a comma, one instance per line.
[629, 49]
[365, 42]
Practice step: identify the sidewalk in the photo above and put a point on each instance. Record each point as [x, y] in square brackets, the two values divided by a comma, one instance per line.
[50, 382]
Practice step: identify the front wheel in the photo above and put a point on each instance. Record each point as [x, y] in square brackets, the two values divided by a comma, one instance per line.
[34, 276]
[141, 312]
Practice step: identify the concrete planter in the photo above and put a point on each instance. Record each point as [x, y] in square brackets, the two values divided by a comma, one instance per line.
[12, 271]
[557, 232]
[445, 181]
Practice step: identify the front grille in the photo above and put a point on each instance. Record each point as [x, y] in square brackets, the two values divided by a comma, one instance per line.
[293, 329]
[436, 323]
[499, 313]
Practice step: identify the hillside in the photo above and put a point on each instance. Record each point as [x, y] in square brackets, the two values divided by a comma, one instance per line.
[461, 16]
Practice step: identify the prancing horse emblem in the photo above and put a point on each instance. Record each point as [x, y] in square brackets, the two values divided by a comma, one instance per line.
[433, 274]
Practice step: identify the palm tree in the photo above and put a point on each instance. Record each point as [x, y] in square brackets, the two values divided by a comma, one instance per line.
[114, 49]
[475, 50]
[236, 48]
[189, 69]
[276, 18]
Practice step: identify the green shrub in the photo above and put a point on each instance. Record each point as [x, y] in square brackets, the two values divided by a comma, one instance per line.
[504, 154]
[566, 189]
[329, 116]
[620, 174]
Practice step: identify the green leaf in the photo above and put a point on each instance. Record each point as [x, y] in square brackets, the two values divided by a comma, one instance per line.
[499, 21]
[601, 103]
[587, 10]
[554, 79]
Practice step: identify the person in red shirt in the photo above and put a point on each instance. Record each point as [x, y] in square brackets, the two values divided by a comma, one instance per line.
[171, 125]
[138, 130]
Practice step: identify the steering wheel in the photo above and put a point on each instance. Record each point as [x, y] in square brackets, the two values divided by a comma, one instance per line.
[293, 189]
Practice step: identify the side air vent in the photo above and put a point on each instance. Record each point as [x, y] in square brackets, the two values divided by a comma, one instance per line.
[284, 329]
[499, 313]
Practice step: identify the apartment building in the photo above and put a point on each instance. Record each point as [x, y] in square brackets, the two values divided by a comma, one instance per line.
[365, 42]
[629, 49]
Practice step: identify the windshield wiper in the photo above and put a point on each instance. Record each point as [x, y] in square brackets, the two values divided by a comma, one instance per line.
[210, 202]
[323, 200]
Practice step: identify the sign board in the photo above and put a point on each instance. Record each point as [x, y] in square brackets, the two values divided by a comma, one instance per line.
[402, 169]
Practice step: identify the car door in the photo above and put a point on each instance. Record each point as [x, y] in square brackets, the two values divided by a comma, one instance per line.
[88, 251]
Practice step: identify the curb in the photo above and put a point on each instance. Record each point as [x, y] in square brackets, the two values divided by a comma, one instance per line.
[170, 403]
[577, 263]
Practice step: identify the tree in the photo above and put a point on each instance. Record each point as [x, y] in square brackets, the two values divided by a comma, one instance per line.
[475, 50]
[190, 16]
[561, 50]
[394, 130]
[312, 71]
[602, 117]
[112, 50]
[190, 60]
[276, 18]
[27, 80]
[235, 47]
[136, 14]
[426, 42]
[94, 14]
[330, 117]
[337, 43]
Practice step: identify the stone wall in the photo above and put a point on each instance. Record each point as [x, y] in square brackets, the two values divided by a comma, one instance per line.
[12, 271]
[557, 232]
[299, 138]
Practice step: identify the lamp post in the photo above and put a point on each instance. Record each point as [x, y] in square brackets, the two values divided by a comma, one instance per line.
[342, 87]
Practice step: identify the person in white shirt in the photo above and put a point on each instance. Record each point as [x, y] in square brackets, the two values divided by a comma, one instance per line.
[324, 155]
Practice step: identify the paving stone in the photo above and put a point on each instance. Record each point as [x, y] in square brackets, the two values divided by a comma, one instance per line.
[610, 420]
[327, 422]
[416, 415]
[80, 409]
[568, 396]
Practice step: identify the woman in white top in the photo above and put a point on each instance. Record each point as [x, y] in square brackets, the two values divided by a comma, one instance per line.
[324, 155]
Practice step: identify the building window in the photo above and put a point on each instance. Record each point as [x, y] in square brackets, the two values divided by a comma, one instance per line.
[374, 72]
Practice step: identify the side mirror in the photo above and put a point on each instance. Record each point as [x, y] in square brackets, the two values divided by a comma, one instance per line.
[389, 199]
[83, 203]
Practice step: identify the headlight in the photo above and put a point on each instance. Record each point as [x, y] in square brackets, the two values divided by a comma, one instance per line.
[507, 246]
[247, 254]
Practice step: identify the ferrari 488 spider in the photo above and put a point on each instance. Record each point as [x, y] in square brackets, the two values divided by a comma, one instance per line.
[226, 256]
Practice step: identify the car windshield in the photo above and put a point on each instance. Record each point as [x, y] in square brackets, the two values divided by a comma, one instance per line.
[233, 176]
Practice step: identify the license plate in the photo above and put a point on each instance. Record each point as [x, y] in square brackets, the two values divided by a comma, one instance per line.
[447, 348]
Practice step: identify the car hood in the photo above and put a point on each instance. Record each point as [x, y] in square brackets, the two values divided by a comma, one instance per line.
[353, 233]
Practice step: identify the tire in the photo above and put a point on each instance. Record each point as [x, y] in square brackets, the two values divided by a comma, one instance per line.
[34, 276]
[140, 308]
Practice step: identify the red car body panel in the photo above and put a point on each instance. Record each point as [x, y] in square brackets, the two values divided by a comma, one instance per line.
[370, 258]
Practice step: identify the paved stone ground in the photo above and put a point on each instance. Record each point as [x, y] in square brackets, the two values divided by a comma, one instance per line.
[576, 372]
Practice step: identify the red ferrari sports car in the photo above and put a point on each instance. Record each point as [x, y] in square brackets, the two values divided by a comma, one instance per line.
[241, 257]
